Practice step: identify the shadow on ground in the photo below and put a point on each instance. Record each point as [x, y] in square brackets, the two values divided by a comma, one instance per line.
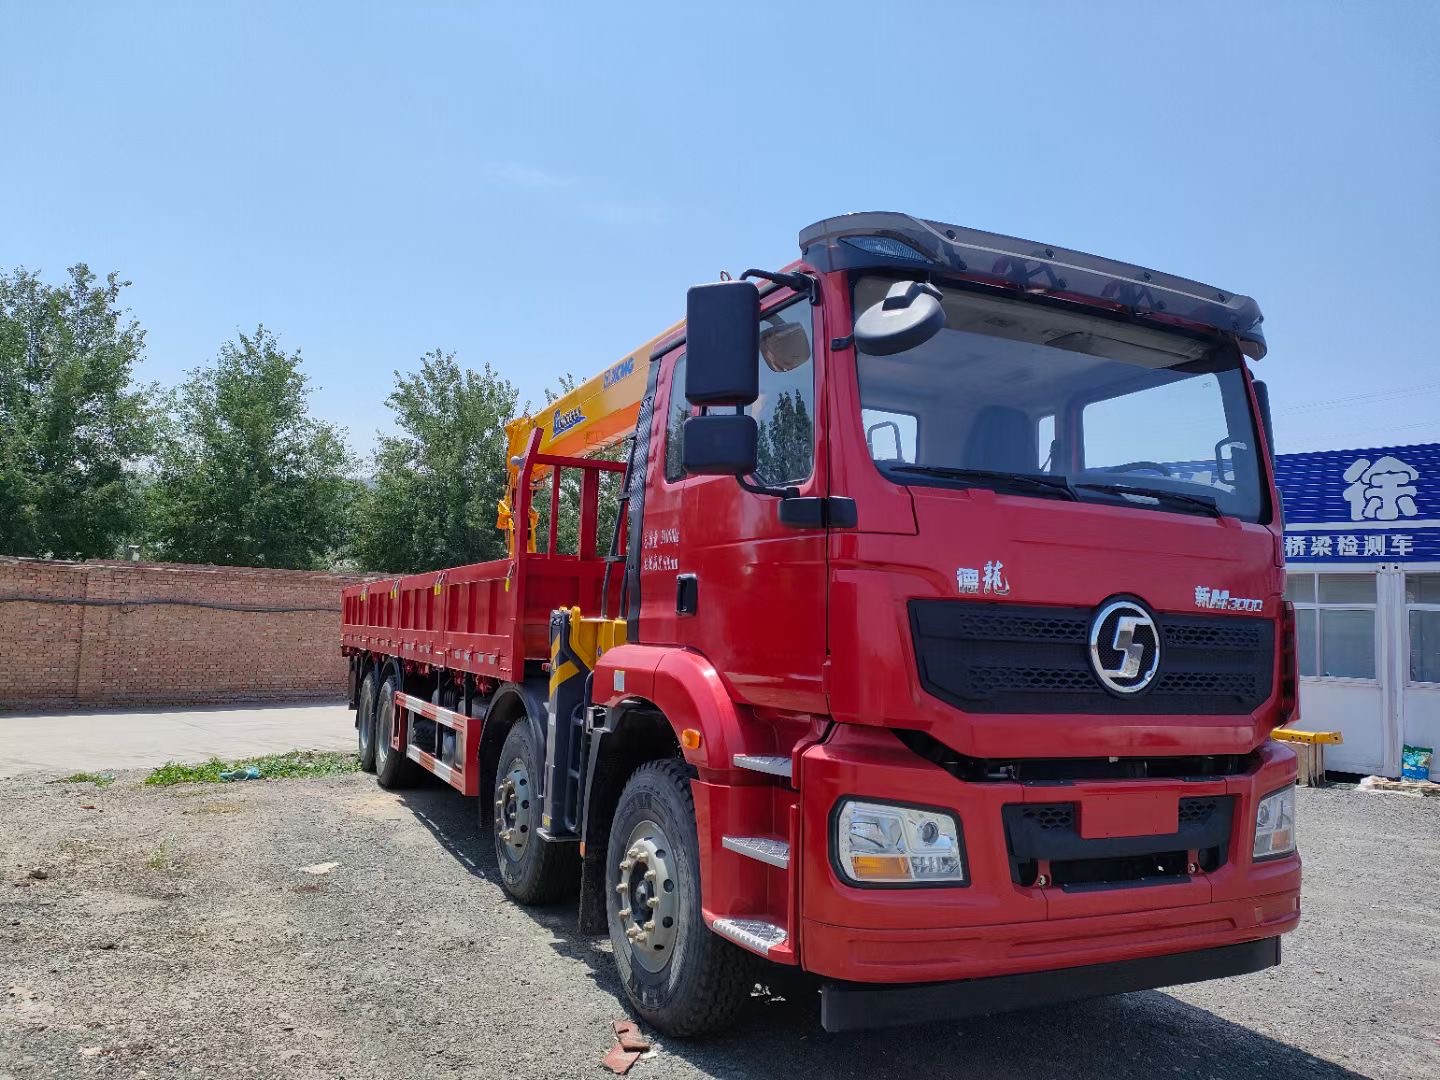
[1143, 1035]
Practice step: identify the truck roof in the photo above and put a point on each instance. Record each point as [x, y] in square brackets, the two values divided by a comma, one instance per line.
[893, 240]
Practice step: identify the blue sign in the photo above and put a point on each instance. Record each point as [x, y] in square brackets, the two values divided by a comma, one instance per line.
[1378, 505]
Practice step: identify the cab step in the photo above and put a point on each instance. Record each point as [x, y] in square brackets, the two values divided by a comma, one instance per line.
[766, 849]
[772, 764]
[757, 935]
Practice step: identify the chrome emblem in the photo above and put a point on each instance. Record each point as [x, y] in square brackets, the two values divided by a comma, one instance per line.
[1124, 647]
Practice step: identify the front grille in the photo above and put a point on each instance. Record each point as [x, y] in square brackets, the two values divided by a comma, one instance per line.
[1046, 837]
[984, 657]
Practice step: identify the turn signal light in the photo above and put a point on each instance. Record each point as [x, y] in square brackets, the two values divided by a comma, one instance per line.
[690, 739]
[879, 867]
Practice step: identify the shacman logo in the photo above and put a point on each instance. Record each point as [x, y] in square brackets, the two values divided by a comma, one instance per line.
[622, 370]
[1124, 647]
[564, 421]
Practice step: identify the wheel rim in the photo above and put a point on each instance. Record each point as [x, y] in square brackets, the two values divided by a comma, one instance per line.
[513, 794]
[647, 894]
[383, 723]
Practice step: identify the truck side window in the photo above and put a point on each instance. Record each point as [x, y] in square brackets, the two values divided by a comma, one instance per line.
[675, 424]
[786, 406]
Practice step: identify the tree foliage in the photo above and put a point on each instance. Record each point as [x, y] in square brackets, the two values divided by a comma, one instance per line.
[436, 484]
[244, 475]
[785, 451]
[71, 424]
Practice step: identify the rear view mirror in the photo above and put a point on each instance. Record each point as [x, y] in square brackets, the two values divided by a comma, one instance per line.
[784, 346]
[722, 348]
[1231, 456]
[1262, 398]
[723, 445]
[910, 315]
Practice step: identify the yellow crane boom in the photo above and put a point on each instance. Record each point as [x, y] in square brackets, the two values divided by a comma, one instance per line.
[594, 416]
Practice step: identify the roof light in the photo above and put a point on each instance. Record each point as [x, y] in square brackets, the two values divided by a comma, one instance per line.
[884, 245]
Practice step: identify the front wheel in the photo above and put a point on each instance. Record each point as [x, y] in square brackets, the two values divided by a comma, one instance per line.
[532, 869]
[680, 977]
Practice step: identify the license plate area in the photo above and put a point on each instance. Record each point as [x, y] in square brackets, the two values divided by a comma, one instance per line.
[1146, 814]
[1048, 846]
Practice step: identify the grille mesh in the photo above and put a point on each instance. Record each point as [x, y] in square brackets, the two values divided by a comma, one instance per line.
[984, 657]
[1050, 816]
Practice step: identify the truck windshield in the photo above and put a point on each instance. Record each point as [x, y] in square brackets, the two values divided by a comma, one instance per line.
[1037, 400]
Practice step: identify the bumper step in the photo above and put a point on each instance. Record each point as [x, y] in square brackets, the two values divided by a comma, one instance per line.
[754, 934]
[773, 764]
[765, 849]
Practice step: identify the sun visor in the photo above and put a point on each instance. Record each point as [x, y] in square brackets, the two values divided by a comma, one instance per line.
[901, 242]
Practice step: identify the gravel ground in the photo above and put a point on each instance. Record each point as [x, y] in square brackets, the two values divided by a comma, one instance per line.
[176, 934]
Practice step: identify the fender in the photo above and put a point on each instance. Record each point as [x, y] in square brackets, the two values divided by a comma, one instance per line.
[691, 693]
[532, 695]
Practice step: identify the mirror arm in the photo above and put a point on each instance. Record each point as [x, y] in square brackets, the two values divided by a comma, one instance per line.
[801, 283]
[765, 489]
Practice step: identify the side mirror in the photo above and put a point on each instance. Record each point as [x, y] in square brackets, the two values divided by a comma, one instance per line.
[1262, 398]
[722, 345]
[910, 315]
[727, 444]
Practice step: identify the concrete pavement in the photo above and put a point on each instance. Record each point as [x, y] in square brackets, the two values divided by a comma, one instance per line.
[95, 740]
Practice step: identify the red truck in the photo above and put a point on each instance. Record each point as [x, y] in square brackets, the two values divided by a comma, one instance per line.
[934, 650]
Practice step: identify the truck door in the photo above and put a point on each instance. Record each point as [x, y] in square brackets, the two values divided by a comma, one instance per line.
[759, 587]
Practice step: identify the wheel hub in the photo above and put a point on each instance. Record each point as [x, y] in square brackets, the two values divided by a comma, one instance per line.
[647, 896]
[512, 809]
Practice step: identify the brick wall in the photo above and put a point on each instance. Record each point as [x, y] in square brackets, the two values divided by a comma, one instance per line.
[121, 646]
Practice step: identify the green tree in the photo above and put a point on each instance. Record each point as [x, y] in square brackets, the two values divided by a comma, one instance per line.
[244, 476]
[786, 442]
[436, 484]
[71, 424]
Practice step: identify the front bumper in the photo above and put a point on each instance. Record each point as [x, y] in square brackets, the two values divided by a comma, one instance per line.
[850, 1006]
[994, 925]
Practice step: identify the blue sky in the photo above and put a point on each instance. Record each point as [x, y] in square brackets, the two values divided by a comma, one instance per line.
[536, 185]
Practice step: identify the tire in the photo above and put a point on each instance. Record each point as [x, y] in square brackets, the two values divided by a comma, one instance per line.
[533, 870]
[392, 768]
[365, 720]
[683, 979]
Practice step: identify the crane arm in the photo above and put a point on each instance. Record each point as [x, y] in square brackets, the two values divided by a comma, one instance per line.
[594, 416]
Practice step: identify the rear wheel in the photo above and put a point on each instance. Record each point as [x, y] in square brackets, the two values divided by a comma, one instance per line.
[680, 977]
[532, 869]
[365, 720]
[392, 768]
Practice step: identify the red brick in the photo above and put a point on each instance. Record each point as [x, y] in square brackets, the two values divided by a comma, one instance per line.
[66, 654]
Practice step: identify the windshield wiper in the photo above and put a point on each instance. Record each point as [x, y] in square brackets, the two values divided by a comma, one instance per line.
[1200, 502]
[1050, 485]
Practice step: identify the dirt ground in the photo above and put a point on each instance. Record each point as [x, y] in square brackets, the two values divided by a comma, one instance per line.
[177, 933]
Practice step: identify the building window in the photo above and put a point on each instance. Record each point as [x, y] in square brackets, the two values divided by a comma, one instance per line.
[1422, 604]
[1334, 624]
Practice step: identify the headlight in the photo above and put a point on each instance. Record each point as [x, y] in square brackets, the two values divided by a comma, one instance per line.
[880, 844]
[1275, 824]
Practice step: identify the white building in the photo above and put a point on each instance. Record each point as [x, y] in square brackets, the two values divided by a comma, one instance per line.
[1362, 559]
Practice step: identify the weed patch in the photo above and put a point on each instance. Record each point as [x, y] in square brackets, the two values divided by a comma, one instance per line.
[99, 779]
[288, 766]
